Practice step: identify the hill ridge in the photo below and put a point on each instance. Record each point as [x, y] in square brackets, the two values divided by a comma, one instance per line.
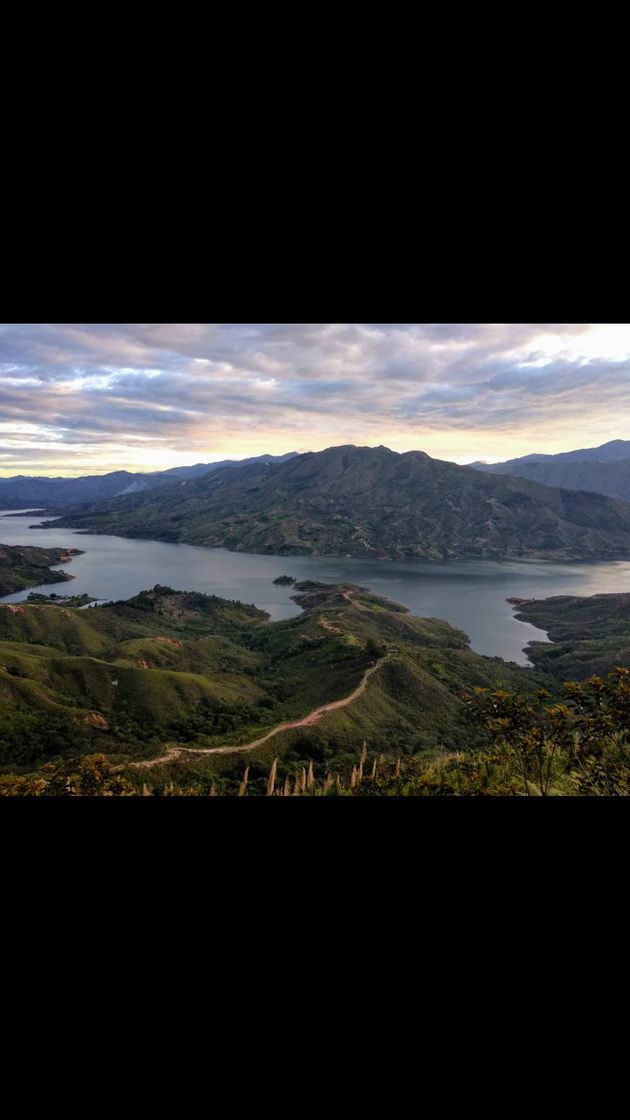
[363, 501]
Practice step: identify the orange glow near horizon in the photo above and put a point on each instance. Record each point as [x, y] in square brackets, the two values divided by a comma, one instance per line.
[78, 400]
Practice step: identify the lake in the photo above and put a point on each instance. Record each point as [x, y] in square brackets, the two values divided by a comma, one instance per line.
[470, 594]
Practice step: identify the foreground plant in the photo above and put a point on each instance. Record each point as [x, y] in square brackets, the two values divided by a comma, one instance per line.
[581, 746]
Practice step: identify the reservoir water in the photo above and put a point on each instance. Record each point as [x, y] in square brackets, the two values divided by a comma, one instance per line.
[470, 594]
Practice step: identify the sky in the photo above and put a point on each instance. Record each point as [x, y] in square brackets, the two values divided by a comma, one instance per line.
[90, 398]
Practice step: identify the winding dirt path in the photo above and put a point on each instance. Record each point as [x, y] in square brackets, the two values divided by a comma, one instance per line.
[329, 626]
[353, 603]
[307, 721]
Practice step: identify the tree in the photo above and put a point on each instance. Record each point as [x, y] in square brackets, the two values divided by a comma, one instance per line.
[374, 648]
[583, 744]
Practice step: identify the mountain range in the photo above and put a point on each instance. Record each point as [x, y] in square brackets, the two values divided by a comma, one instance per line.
[22, 491]
[603, 470]
[369, 501]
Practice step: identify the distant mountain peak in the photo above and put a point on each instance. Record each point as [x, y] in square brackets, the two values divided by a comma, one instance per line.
[599, 470]
[22, 491]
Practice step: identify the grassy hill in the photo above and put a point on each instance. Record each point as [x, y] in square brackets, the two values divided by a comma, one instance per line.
[364, 501]
[23, 566]
[171, 669]
[160, 694]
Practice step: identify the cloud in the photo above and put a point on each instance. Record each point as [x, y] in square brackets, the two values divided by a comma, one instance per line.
[145, 396]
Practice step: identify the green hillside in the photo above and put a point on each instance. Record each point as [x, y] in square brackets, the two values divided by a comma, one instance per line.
[587, 634]
[173, 693]
[369, 501]
[169, 671]
[23, 566]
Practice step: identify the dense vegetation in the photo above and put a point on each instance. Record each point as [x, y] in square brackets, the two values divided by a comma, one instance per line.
[529, 746]
[133, 697]
[588, 635]
[181, 670]
[24, 566]
[533, 747]
[369, 501]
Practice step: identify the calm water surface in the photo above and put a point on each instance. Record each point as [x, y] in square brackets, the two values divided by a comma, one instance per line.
[469, 594]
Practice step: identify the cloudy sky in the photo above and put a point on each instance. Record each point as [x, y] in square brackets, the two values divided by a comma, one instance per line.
[79, 399]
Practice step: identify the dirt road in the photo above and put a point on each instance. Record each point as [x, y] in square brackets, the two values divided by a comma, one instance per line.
[307, 721]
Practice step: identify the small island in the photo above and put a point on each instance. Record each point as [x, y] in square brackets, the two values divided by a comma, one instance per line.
[285, 581]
